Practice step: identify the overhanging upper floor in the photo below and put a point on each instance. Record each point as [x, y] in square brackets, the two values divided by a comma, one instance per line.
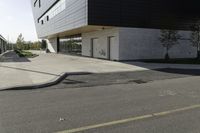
[61, 16]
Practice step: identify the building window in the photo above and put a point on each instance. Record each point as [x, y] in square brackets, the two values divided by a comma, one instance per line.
[53, 11]
[47, 18]
[42, 22]
[37, 1]
[71, 45]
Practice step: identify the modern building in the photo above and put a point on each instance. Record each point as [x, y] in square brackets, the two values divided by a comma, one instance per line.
[3, 43]
[115, 29]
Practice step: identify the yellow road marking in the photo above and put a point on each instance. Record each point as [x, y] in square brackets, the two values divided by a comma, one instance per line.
[130, 119]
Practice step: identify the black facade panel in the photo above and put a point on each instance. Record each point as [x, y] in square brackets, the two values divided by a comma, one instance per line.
[100, 12]
[176, 14]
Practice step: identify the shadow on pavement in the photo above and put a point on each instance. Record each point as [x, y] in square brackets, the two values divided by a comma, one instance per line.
[70, 81]
[192, 72]
[131, 77]
[84, 79]
[185, 69]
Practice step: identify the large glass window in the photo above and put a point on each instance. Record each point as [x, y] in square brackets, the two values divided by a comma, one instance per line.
[71, 45]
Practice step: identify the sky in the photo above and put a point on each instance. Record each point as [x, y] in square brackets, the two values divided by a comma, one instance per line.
[15, 18]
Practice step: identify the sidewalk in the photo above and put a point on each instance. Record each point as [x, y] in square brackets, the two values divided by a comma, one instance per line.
[47, 67]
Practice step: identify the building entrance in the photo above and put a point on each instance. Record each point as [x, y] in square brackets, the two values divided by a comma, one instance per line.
[70, 45]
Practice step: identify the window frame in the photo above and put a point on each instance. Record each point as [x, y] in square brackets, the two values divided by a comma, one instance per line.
[35, 3]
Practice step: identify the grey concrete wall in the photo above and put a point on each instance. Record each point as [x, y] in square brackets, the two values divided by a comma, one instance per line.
[52, 45]
[136, 44]
[74, 16]
[140, 43]
[103, 42]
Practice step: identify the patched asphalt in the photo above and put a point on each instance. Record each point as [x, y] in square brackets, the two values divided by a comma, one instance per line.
[136, 77]
[53, 110]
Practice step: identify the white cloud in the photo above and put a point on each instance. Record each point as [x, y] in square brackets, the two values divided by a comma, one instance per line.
[9, 18]
[2, 4]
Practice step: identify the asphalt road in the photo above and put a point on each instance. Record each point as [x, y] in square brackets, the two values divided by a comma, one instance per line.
[161, 101]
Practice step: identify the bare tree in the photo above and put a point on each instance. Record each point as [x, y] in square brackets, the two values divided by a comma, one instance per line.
[195, 37]
[168, 39]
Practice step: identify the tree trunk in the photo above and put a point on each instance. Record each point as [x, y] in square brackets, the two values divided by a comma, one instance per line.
[198, 46]
[198, 53]
[167, 54]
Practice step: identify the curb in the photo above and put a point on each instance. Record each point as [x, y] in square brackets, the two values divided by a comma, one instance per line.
[46, 84]
[62, 77]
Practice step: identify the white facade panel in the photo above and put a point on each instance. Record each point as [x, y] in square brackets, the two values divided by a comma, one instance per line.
[74, 16]
[101, 49]
[112, 47]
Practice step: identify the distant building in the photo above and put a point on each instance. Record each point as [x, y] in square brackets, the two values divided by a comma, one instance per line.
[3, 44]
[115, 29]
